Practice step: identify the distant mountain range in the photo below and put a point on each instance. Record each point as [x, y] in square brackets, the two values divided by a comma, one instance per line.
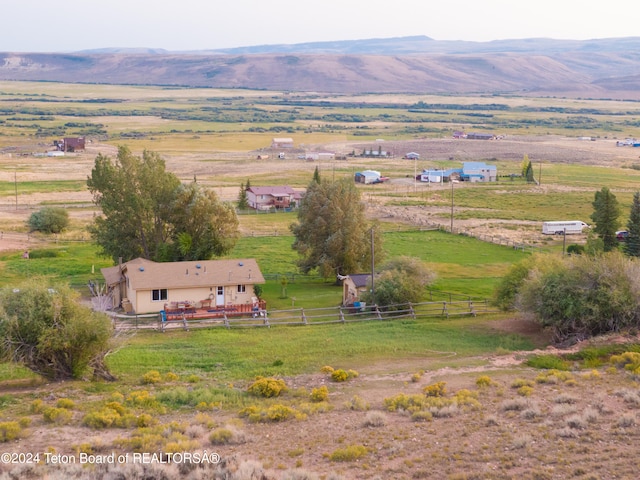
[599, 68]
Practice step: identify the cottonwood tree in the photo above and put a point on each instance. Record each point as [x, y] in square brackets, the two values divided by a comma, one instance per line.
[332, 233]
[202, 226]
[50, 332]
[606, 213]
[632, 245]
[148, 213]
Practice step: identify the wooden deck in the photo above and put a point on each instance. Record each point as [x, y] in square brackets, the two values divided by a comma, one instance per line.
[186, 311]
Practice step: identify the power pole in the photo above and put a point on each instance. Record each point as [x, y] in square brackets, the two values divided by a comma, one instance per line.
[373, 271]
[451, 204]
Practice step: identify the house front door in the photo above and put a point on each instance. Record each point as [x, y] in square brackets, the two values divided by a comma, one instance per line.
[220, 297]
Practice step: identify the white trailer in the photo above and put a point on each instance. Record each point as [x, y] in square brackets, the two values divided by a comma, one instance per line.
[562, 227]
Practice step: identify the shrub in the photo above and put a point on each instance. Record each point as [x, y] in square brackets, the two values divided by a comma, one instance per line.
[37, 406]
[9, 431]
[280, 413]
[339, 375]
[582, 296]
[349, 454]
[375, 419]
[401, 280]
[65, 403]
[438, 389]
[59, 416]
[525, 391]
[320, 394]
[327, 369]
[171, 377]
[221, 436]
[357, 403]
[521, 382]
[484, 381]
[103, 418]
[51, 333]
[267, 387]
[48, 220]
[421, 416]
[151, 377]
[145, 420]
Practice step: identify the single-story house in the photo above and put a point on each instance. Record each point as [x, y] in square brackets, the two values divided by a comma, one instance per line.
[282, 143]
[144, 286]
[265, 198]
[412, 156]
[353, 286]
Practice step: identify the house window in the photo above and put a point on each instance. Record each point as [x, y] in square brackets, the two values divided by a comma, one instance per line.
[159, 294]
[242, 288]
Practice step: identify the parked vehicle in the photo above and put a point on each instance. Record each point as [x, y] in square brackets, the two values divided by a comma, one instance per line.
[563, 227]
[622, 235]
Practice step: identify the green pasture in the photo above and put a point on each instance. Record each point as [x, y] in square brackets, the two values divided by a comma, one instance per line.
[243, 354]
[43, 186]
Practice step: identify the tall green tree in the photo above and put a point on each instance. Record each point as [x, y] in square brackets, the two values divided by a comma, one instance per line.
[605, 216]
[202, 226]
[316, 175]
[243, 201]
[135, 195]
[332, 233]
[144, 211]
[632, 245]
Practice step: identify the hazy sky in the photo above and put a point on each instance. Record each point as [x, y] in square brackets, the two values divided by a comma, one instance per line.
[71, 25]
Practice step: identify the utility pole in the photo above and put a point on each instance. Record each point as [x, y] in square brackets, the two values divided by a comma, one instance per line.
[451, 204]
[373, 271]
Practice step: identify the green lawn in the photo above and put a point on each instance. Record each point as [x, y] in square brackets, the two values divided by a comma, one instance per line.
[246, 353]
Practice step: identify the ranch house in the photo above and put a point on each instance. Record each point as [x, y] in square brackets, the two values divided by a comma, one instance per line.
[144, 286]
[266, 198]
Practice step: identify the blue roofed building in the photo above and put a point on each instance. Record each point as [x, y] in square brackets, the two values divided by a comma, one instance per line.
[478, 172]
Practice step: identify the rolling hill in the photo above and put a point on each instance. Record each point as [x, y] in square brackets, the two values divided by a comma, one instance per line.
[606, 68]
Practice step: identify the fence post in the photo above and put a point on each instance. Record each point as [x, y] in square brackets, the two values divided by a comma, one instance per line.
[266, 319]
[444, 309]
[412, 312]
[341, 315]
[378, 312]
[226, 320]
[304, 317]
[471, 308]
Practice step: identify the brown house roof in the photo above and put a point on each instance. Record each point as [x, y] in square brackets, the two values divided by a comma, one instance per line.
[146, 275]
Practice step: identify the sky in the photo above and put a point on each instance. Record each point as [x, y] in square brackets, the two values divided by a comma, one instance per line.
[75, 25]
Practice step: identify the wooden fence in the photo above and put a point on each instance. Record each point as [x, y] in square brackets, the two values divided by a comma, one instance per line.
[314, 316]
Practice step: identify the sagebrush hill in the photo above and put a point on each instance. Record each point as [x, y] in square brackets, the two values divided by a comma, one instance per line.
[602, 68]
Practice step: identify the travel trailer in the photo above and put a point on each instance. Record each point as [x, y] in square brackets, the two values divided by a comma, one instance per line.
[562, 227]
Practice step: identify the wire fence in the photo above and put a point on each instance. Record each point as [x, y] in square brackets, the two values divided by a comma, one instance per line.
[306, 317]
